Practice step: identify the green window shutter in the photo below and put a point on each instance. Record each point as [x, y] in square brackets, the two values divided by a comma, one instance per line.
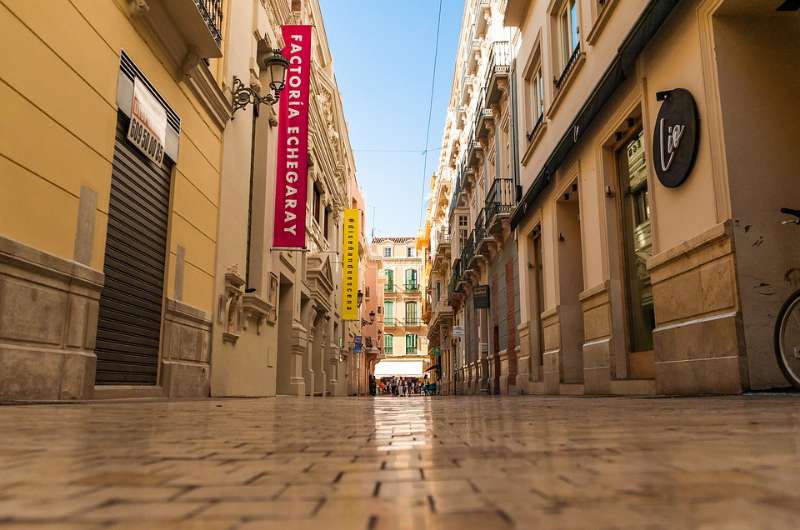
[389, 280]
[387, 343]
[388, 312]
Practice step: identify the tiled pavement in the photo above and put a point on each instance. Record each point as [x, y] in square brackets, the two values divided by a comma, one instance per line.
[392, 463]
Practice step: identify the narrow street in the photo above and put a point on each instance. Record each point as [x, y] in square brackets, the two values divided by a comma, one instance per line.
[394, 463]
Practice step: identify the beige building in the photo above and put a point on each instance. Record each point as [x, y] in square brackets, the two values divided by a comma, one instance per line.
[474, 279]
[405, 342]
[652, 148]
[651, 254]
[141, 264]
[278, 328]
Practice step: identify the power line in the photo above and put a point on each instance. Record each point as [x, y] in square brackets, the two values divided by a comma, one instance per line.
[423, 151]
[430, 112]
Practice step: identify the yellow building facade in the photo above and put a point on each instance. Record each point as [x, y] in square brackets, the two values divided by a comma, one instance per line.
[135, 216]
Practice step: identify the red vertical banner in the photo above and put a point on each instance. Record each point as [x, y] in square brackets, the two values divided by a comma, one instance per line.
[292, 176]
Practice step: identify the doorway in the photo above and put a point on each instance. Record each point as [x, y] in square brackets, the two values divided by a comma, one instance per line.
[757, 53]
[285, 358]
[637, 245]
[536, 302]
[129, 322]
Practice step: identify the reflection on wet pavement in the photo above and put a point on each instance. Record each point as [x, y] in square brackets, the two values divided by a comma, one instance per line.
[403, 463]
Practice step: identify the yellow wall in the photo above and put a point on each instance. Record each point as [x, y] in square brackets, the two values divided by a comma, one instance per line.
[58, 95]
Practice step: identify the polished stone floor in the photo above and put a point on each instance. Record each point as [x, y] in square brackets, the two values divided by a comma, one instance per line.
[404, 463]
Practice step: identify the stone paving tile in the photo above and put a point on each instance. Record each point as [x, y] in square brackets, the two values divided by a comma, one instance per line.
[403, 464]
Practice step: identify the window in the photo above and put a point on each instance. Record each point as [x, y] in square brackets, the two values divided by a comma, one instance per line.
[388, 313]
[411, 343]
[411, 252]
[411, 313]
[387, 252]
[326, 222]
[438, 291]
[389, 280]
[411, 280]
[387, 343]
[537, 96]
[463, 231]
[317, 205]
[568, 31]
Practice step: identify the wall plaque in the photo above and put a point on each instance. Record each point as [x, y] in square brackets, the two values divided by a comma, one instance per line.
[480, 297]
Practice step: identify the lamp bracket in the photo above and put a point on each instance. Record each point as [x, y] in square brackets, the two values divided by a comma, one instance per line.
[244, 95]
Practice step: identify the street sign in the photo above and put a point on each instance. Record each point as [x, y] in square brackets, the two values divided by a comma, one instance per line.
[480, 297]
[458, 331]
[357, 344]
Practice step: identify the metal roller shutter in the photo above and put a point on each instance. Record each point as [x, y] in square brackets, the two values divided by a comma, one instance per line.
[129, 326]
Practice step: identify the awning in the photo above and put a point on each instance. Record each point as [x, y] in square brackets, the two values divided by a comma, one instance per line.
[398, 369]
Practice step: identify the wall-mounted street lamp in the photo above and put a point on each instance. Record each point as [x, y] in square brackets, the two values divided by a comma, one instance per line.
[371, 319]
[360, 298]
[275, 65]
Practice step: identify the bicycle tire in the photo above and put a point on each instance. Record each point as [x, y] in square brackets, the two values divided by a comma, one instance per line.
[790, 303]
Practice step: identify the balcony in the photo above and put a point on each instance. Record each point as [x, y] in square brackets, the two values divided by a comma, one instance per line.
[573, 59]
[443, 241]
[482, 236]
[482, 17]
[500, 202]
[454, 287]
[413, 322]
[411, 287]
[474, 153]
[388, 288]
[497, 71]
[187, 26]
[466, 88]
[469, 252]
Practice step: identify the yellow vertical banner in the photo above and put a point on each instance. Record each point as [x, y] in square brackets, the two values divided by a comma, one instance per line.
[350, 264]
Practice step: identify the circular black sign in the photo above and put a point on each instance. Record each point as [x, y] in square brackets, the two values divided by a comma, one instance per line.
[675, 138]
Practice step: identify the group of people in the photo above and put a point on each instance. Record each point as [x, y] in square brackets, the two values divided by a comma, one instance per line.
[401, 386]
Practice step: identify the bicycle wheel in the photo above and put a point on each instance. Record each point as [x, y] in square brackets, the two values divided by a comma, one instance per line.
[787, 339]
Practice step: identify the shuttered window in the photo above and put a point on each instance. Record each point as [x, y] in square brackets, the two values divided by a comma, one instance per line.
[411, 343]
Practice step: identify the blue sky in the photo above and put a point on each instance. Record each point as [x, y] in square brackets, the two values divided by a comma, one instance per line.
[383, 59]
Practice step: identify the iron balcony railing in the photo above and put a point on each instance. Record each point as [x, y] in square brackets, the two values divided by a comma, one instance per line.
[414, 322]
[499, 61]
[211, 11]
[388, 288]
[412, 286]
[569, 66]
[500, 200]
[536, 126]
[455, 278]
[469, 250]
[444, 238]
[480, 227]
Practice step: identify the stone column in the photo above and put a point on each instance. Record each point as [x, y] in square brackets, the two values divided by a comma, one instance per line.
[333, 361]
[322, 355]
[298, 350]
[309, 371]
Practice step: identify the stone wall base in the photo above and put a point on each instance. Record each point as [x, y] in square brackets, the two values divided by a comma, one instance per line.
[709, 362]
[185, 370]
[48, 325]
